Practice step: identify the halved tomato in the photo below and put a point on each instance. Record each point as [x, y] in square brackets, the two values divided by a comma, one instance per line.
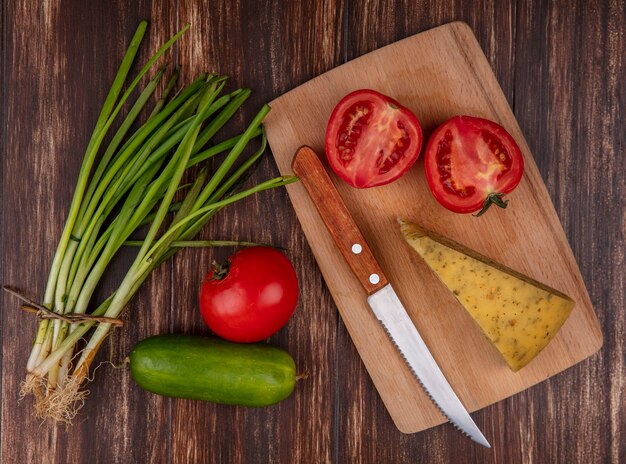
[371, 139]
[471, 163]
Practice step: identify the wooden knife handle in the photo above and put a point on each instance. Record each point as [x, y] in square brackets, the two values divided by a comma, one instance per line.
[308, 167]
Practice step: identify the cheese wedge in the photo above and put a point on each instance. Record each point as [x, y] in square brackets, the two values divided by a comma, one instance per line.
[518, 315]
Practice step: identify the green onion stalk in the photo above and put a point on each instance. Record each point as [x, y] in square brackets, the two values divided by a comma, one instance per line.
[127, 185]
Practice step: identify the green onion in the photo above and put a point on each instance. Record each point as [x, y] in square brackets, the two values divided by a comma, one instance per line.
[132, 185]
[201, 243]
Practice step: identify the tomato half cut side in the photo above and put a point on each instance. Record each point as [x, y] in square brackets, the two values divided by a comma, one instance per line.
[371, 139]
[470, 163]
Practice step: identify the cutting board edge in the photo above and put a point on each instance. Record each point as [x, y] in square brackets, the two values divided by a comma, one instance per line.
[411, 430]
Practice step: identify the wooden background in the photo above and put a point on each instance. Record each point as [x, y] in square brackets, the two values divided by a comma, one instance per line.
[561, 65]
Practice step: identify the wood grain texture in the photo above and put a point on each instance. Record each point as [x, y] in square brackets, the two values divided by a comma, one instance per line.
[561, 67]
[526, 237]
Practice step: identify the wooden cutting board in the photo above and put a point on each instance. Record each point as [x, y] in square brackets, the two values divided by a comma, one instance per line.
[437, 74]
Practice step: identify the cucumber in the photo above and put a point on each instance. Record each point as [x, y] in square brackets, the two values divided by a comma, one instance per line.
[211, 369]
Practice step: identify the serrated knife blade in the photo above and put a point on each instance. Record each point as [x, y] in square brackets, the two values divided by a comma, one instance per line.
[391, 313]
[382, 298]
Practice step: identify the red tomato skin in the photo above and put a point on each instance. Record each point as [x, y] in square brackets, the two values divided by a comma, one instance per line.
[254, 300]
[367, 178]
[504, 185]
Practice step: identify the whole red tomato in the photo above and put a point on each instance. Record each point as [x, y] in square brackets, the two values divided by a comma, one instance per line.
[251, 297]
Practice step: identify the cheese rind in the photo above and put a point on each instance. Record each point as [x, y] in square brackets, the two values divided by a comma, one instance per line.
[518, 315]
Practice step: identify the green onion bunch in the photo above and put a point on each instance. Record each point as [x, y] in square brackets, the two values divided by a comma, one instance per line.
[127, 185]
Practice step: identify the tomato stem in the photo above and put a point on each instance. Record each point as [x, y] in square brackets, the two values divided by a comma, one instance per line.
[220, 270]
[492, 199]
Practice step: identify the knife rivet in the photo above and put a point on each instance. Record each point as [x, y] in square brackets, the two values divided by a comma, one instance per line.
[374, 278]
[356, 248]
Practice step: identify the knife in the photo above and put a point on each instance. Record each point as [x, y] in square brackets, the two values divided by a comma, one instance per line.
[381, 296]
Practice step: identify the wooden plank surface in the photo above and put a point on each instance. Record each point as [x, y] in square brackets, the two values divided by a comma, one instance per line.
[526, 237]
[561, 66]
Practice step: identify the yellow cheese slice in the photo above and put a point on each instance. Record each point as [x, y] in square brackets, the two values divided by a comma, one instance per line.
[517, 314]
